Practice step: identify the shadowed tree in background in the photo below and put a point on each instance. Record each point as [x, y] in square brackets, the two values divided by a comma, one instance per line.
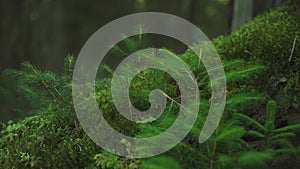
[242, 13]
[30, 30]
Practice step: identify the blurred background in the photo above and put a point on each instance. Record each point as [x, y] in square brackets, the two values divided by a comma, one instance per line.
[45, 31]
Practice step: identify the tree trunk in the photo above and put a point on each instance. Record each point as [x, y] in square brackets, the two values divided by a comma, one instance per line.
[31, 30]
[192, 10]
[230, 17]
[242, 13]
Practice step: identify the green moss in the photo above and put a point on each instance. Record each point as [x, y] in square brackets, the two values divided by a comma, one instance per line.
[51, 141]
[268, 40]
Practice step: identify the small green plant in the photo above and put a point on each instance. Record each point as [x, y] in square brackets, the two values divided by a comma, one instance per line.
[270, 136]
[266, 137]
[227, 140]
[45, 91]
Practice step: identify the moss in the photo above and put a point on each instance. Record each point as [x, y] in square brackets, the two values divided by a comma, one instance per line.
[268, 39]
[51, 141]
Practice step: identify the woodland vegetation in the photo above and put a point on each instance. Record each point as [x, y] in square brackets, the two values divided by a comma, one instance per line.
[262, 65]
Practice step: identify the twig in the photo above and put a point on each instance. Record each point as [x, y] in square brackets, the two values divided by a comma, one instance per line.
[200, 55]
[293, 48]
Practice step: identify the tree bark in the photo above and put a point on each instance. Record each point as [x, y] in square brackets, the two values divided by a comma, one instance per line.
[230, 17]
[242, 13]
[192, 10]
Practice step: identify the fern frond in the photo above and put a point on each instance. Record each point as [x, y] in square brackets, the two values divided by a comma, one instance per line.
[253, 159]
[271, 111]
[244, 72]
[69, 64]
[117, 50]
[242, 99]
[283, 135]
[231, 134]
[250, 120]
[106, 68]
[287, 128]
[231, 63]
[255, 133]
[130, 43]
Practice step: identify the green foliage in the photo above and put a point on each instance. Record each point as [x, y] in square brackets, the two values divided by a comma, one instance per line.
[46, 141]
[230, 146]
[228, 139]
[270, 136]
[161, 162]
[254, 160]
[55, 139]
[106, 160]
[45, 90]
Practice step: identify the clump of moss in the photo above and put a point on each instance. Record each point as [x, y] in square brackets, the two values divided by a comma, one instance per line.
[49, 140]
[273, 40]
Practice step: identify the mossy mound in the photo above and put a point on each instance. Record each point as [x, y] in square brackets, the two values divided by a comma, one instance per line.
[50, 140]
[273, 40]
